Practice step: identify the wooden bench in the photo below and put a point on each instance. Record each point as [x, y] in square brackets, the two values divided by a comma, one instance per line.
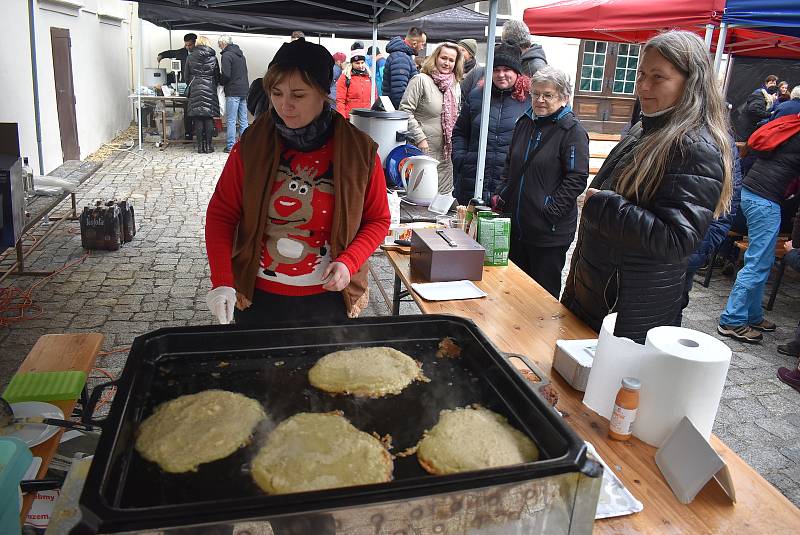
[780, 252]
[58, 352]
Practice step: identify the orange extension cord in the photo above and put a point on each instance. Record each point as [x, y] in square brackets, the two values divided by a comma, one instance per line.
[16, 305]
[109, 394]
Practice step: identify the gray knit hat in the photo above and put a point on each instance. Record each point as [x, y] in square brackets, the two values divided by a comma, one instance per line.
[471, 45]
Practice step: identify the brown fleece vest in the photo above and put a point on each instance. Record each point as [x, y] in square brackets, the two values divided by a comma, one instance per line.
[353, 159]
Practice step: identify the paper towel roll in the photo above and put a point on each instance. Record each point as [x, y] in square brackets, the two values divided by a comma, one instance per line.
[682, 373]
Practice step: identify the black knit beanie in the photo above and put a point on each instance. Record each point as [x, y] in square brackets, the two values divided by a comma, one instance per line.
[508, 56]
[313, 59]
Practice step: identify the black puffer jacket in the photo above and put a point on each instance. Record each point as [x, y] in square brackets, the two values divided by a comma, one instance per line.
[234, 71]
[773, 171]
[203, 76]
[542, 202]
[631, 258]
[257, 98]
[756, 109]
[503, 115]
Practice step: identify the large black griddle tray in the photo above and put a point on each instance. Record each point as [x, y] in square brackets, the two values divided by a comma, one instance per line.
[123, 491]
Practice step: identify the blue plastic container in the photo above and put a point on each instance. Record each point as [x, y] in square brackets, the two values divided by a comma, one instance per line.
[15, 458]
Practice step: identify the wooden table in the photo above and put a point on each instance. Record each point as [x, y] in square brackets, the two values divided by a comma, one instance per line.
[519, 316]
[58, 352]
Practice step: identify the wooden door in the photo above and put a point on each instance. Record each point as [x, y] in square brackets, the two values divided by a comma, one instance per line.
[604, 87]
[65, 93]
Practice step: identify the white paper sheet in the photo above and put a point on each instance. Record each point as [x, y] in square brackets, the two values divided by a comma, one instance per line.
[447, 291]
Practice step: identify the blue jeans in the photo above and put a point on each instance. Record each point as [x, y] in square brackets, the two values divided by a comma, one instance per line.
[763, 223]
[235, 107]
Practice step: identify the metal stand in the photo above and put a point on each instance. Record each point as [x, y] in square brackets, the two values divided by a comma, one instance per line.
[398, 295]
[18, 268]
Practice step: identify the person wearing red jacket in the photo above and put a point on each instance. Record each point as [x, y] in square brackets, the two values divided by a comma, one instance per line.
[354, 85]
[300, 206]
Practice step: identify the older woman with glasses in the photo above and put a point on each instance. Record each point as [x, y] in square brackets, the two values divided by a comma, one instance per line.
[546, 170]
[655, 195]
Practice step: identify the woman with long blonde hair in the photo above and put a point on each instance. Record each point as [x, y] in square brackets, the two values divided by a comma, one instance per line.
[655, 195]
[432, 100]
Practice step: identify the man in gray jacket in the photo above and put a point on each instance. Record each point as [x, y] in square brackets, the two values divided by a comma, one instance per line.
[234, 79]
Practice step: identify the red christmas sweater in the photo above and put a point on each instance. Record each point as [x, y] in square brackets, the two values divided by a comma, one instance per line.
[297, 242]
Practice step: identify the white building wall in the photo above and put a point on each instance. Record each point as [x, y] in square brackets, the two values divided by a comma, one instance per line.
[99, 31]
[16, 106]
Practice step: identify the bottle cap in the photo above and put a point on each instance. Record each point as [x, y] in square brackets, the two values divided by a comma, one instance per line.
[25, 160]
[631, 383]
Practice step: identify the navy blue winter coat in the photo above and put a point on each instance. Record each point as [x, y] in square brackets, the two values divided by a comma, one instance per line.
[789, 107]
[503, 115]
[398, 70]
[719, 228]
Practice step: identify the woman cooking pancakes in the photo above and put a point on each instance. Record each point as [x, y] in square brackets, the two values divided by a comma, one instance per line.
[299, 207]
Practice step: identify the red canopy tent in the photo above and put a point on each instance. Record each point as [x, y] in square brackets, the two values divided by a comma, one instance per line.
[635, 21]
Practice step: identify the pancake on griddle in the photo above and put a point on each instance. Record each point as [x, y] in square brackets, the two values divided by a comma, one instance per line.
[473, 438]
[313, 451]
[197, 428]
[367, 371]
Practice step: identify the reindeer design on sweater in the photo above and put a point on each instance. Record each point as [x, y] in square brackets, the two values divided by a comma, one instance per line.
[300, 204]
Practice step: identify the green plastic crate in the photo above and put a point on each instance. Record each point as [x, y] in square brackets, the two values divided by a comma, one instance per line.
[45, 386]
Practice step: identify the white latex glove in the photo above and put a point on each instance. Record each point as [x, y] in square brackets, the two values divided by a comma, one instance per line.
[221, 301]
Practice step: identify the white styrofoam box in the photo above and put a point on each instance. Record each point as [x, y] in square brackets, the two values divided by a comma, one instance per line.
[573, 361]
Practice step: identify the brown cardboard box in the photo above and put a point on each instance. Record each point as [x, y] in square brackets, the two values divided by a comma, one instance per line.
[436, 260]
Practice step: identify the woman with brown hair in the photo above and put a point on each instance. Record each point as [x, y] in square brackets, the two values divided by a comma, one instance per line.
[655, 195]
[300, 205]
[433, 99]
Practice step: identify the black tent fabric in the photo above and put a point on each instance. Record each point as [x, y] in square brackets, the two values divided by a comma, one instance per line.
[451, 24]
[334, 11]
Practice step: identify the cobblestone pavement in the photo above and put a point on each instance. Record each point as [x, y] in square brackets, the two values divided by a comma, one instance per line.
[161, 278]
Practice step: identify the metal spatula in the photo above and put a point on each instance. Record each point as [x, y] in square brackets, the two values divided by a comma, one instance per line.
[7, 418]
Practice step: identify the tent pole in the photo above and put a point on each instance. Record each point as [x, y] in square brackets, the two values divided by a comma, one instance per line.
[486, 101]
[374, 68]
[709, 36]
[728, 70]
[139, 82]
[723, 30]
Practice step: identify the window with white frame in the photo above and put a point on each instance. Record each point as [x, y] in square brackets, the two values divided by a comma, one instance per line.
[593, 66]
[625, 71]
